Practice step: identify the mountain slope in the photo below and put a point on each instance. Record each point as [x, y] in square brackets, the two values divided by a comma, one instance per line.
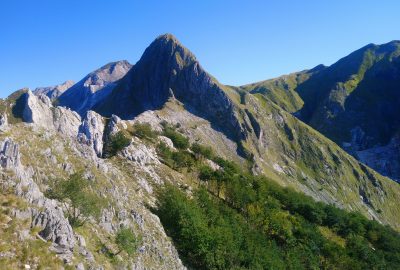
[282, 90]
[354, 102]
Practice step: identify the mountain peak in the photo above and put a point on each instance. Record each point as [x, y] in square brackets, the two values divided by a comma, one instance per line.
[167, 37]
[167, 46]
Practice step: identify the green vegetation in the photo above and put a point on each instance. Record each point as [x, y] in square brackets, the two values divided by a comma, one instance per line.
[180, 141]
[175, 159]
[79, 200]
[240, 221]
[126, 241]
[143, 131]
[202, 150]
[116, 143]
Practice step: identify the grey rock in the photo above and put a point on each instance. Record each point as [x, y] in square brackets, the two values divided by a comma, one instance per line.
[54, 226]
[9, 155]
[91, 132]
[80, 266]
[38, 110]
[3, 121]
[168, 70]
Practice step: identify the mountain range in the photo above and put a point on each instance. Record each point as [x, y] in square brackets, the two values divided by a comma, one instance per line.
[331, 133]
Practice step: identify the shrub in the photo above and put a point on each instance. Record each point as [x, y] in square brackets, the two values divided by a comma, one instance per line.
[126, 241]
[205, 151]
[116, 143]
[180, 141]
[143, 131]
[80, 201]
[182, 159]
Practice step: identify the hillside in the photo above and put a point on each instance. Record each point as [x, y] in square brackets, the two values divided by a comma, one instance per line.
[354, 102]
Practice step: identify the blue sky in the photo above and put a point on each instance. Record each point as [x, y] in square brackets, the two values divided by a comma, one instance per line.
[45, 42]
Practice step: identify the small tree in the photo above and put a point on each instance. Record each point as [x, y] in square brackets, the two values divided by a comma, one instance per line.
[126, 241]
[202, 150]
[79, 200]
[116, 143]
[180, 141]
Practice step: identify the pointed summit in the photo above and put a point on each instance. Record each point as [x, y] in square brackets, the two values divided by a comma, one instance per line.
[167, 69]
[168, 48]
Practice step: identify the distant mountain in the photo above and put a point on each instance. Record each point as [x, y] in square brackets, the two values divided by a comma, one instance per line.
[355, 102]
[53, 92]
[95, 87]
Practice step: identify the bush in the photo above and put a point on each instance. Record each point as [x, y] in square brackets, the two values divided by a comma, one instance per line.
[80, 201]
[126, 241]
[116, 143]
[205, 151]
[143, 131]
[176, 160]
[180, 141]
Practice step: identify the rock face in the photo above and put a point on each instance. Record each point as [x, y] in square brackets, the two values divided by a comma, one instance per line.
[384, 159]
[39, 111]
[53, 92]
[9, 155]
[3, 121]
[91, 132]
[94, 88]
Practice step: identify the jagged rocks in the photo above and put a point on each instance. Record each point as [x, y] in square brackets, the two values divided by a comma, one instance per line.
[9, 155]
[55, 226]
[140, 154]
[91, 132]
[44, 213]
[3, 121]
[36, 109]
[39, 111]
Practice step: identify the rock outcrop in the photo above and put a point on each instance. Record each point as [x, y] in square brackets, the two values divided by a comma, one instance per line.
[91, 132]
[3, 121]
[39, 111]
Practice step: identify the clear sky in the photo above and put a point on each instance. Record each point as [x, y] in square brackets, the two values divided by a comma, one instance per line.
[45, 42]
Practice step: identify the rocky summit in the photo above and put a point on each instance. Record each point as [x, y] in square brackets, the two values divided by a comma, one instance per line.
[158, 165]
